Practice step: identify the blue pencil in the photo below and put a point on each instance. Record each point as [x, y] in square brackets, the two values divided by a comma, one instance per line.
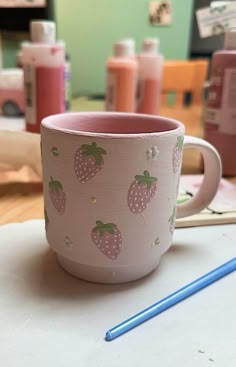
[171, 300]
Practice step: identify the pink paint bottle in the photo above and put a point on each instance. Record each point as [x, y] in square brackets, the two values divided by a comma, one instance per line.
[149, 77]
[220, 112]
[121, 78]
[44, 64]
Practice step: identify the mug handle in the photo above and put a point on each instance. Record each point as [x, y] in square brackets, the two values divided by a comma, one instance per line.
[211, 178]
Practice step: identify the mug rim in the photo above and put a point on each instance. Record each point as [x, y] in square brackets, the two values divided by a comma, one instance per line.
[49, 123]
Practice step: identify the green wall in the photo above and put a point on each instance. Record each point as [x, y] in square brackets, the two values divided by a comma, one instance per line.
[89, 27]
[10, 49]
[10, 42]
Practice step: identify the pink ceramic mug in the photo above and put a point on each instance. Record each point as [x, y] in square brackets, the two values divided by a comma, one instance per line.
[110, 190]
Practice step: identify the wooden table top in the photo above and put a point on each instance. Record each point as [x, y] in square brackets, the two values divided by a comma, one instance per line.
[21, 192]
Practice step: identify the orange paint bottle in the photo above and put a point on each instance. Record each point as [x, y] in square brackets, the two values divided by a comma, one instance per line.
[149, 77]
[121, 78]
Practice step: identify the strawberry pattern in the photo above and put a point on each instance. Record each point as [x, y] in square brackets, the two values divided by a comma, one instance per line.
[177, 151]
[107, 238]
[88, 161]
[141, 191]
[57, 195]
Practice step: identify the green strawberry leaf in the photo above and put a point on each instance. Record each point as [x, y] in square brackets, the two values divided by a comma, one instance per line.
[55, 185]
[102, 228]
[94, 151]
[180, 141]
[46, 216]
[85, 146]
[145, 179]
[101, 150]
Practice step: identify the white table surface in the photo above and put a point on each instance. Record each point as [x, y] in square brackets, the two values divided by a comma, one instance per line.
[49, 318]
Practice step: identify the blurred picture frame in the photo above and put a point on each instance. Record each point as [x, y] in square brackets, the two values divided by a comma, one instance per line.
[160, 13]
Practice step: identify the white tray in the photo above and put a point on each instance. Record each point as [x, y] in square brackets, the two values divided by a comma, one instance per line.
[49, 318]
[12, 123]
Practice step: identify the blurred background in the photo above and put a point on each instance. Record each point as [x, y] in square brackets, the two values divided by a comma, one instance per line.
[90, 27]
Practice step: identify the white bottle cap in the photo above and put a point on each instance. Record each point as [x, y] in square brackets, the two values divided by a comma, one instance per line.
[124, 48]
[42, 31]
[150, 45]
[230, 39]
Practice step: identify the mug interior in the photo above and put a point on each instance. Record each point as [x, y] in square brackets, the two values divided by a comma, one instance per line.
[110, 123]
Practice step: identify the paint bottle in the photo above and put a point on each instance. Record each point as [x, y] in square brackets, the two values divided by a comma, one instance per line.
[150, 64]
[121, 77]
[44, 64]
[220, 111]
[67, 80]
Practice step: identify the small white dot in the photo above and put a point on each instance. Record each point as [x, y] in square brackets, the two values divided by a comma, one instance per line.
[93, 199]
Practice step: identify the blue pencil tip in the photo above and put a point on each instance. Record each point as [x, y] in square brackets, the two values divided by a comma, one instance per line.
[108, 336]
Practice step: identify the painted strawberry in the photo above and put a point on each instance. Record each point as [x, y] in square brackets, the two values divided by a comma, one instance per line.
[172, 221]
[141, 191]
[177, 151]
[57, 195]
[107, 238]
[46, 219]
[88, 161]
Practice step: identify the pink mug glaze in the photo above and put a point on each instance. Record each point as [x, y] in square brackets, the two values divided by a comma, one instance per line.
[110, 190]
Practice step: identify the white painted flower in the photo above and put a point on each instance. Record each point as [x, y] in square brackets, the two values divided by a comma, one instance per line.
[156, 242]
[67, 242]
[152, 153]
